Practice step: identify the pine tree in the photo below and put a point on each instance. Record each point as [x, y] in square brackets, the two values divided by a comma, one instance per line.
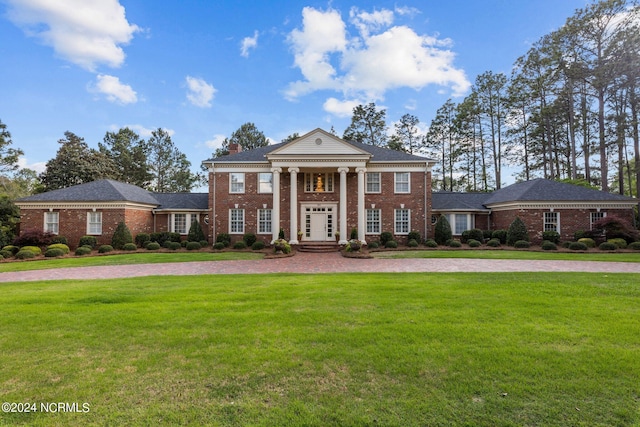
[121, 236]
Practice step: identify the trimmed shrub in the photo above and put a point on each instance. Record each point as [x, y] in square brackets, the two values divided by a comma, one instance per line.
[223, 238]
[613, 227]
[619, 242]
[129, 247]
[88, 241]
[258, 245]
[105, 248]
[455, 243]
[13, 249]
[249, 239]
[6, 254]
[142, 239]
[549, 246]
[34, 238]
[168, 243]
[174, 246]
[204, 243]
[521, 244]
[373, 245]
[193, 246]
[183, 244]
[588, 241]
[412, 243]
[385, 236]
[486, 234]
[25, 254]
[493, 243]
[517, 231]
[354, 234]
[153, 246]
[501, 235]
[608, 246]
[54, 253]
[281, 234]
[391, 244]
[281, 245]
[430, 243]
[442, 232]
[240, 244]
[219, 246]
[551, 236]
[473, 243]
[164, 236]
[64, 248]
[633, 245]
[195, 232]
[83, 250]
[35, 249]
[414, 235]
[578, 246]
[59, 239]
[473, 234]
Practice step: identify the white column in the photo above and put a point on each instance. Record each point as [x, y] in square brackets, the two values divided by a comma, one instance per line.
[362, 226]
[294, 206]
[343, 205]
[275, 213]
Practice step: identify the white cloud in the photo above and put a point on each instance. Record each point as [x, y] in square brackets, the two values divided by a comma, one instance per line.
[380, 58]
[142, 131]
[86, 33]
[215, 142]
[39, 167]
[340, 108]
[114, 90]
[200, 93]
[248, 43]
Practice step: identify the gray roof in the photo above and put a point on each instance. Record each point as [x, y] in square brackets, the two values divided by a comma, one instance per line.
[104, 190]
[546, 190]
[183, 201]
[450, 201]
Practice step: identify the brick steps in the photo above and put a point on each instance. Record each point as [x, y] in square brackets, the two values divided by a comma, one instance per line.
[318, 247]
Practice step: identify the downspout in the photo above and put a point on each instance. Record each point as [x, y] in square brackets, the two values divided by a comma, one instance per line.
[212, 218]
[427, 217]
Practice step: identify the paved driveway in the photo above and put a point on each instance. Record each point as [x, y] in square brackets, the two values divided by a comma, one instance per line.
[320, 263]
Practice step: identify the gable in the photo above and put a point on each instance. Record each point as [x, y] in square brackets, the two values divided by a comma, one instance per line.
[318, 143]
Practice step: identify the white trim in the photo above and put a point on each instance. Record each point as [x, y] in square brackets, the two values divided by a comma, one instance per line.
[366, 182]
[258, 182]
[395, 222]
[230, 221]
[378, 221]
[557, 222]
[84, 205]
[562, 205]
[244, 182]
[395, 183]
[89, 232]
[57, 222]
[591, 221]
[260, 221]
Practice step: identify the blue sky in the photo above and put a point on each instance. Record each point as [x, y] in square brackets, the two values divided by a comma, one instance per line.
[201, 68]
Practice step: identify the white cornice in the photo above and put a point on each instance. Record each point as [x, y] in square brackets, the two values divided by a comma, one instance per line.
[562, 205]
[84, 205]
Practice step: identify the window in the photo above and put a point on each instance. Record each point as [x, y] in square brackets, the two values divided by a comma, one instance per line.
[265, 182]
[180, 223]
[596, 216]
[318, 182]
[51, 222]
[402, 223]
[551, 221]
[94, 223]
[373, 221]
[373, 182]
[460, 222]
[236, 221]
[264, 221]
[237, 183]
[402, 182]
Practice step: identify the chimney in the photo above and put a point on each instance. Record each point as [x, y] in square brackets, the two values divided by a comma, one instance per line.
[235, 148]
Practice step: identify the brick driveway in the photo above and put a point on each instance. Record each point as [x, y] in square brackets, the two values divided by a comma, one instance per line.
[320, 263]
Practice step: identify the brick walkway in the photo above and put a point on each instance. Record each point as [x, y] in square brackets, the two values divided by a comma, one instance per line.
[320, 263]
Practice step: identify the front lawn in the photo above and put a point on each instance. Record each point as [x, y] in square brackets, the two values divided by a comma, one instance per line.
[325, 350]
[591, 255]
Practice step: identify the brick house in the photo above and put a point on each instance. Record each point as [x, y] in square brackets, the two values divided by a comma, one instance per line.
[317, 188]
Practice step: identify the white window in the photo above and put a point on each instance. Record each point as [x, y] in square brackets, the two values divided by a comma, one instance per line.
[94, 223]
[236, 183]
[402, 182]
[402, 222]
[373, 221]
[52, 222]
[265, 182]
[236, 221]
[460, 222]
[373, 182]
[318, 182]
[180, 223]
[596, 216]
[551, 221]
[264, 221]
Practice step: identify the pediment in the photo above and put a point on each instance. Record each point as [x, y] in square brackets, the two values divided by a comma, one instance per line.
[318, 143]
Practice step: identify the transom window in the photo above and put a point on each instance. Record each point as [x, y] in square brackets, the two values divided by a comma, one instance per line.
[52, 222]
[402, 182]
[373, 182]
[373, 221]
[596, 216]
[265, 182]
[551, 221]
[264, 221]
[236, 182]
[318, 183]
[94, 223]
[402, 221]
[236, 221]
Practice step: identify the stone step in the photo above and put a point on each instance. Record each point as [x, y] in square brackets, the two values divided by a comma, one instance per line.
[318, 247]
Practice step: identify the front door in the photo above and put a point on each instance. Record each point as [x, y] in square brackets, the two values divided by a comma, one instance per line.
[319, 223]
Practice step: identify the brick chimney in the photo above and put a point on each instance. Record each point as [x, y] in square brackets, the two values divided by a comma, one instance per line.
[235, 148]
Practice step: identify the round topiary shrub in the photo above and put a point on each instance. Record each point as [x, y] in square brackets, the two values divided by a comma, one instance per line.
[258, 245]
[493, 243]
[153, 246]
[219, 246]
[13, 249]
[391, 244]
[578, 246]
[88, 241]
[105, 248]
[473, 243]
[204, 243]
[59, 239]
[36, 250]
[455, 243]
[373, 245]
[129, 247]
[224, 238]
[142, 239]
[619, 242]
[167, 243]
[549, 246]
[6, 254]
[430, 243]
[174, 246]
[588, 241]
[413, 243]
[64, 248]
[25, 254]
[385, 236]
[83, 250]
[475, 234]
[501, 235]
[193, 246]
[608, 246]
[240, 244]
[634, 245]
[521, 244]
[53, 253]
[414, 235]
[551, 236]
[249, 239]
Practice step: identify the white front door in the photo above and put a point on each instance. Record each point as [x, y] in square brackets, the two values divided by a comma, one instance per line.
[319, 222]
[318, 226]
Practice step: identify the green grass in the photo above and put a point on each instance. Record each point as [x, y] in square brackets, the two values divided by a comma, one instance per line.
[594, 255]
[128, 258]
[326, 350]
